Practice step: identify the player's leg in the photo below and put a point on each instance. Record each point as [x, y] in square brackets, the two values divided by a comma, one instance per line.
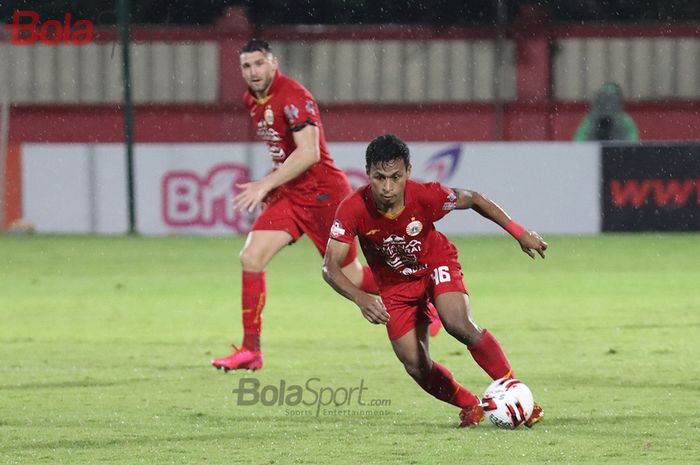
[259, 248]
[412, 351]
[435, 322]
[272, 230]
[455, 313]
[411, 348]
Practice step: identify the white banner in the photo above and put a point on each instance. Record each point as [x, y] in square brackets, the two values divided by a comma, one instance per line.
[74, 188]
[187, 188]
[549, 187]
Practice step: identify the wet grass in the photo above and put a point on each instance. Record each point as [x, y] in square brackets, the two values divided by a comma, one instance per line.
[105, 345]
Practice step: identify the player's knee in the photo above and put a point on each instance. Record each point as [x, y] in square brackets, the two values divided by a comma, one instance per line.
[417, 369]
[462, 330]
[251, 260]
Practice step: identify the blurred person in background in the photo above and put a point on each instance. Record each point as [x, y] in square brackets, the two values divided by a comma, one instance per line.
[607, 119]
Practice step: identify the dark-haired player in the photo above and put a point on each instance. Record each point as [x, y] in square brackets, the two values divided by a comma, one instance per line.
[414, 265]
[299, 196]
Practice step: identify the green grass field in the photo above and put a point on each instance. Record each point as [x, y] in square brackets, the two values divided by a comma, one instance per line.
[105, 346]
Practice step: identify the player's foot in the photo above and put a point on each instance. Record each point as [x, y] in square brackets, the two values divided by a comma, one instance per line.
[536, 416]
[241, 359]
[471, 416]
[435, 325]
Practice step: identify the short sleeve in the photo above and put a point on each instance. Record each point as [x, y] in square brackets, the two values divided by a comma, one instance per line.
[344, 228]
[300, 109]
[441, 200]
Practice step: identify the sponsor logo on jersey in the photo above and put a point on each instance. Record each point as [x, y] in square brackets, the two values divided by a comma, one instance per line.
[310, 107]
[267, 134]
[291, 112]
[401, 256]
[449, 205]
[337, 229]
[372, 232]
[414, 228]
[269, 116]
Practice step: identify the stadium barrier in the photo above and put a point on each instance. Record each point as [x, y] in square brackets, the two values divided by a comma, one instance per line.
[560, 188]
[188, 188]
[651, 188]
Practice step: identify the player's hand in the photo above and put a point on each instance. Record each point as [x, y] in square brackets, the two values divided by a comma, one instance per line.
[532, 242]
[251, 196]
[372, 308]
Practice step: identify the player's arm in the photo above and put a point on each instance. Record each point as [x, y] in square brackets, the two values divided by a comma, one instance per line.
[307, 153]
[530, 241]
[372, 308]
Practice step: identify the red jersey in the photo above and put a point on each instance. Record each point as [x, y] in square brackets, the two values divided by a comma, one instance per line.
[401, 248]
[287, 107]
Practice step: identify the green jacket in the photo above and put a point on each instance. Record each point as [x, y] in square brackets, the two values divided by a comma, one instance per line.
[607, 120]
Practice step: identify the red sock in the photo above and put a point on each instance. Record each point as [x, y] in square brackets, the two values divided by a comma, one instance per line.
[253, 301]
[368, 284]
[489, 355]
[442, 385]
[435, 322]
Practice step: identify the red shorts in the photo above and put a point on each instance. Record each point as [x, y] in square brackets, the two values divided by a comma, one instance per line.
[283, 215]
[407, 303]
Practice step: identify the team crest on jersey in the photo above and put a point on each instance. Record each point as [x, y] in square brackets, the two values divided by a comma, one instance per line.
[291, 112]
[337, 229]
[414, 228]
[310, 107]
[269, 116]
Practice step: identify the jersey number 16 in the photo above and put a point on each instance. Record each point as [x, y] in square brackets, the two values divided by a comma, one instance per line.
[441, 274]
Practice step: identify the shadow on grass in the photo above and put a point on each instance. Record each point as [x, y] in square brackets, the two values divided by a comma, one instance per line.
[121, 441]
[546, 328]
[84, 383]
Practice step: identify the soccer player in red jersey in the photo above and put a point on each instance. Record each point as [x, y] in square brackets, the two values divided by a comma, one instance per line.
[299, 196]
[414, 264]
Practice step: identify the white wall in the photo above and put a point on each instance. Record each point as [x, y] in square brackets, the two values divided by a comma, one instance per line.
[187, 188]
[74, 188]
